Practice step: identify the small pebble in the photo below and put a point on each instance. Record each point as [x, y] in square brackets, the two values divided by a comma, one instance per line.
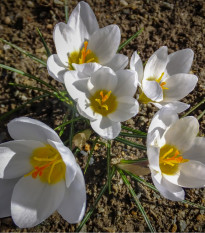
[183, 225]
[49, 26]
[6, 47]
[57, 2]
[83, 153]
[91, 161]
[7, 20]
[123, 3]
[30, 4]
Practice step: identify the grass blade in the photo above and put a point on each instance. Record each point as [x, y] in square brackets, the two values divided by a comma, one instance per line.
[64, 120]
[71, 128]
[24, 52]
[68, 122]
[66, 11]
[128, 143]
[131, 135]
[140, 207]
[22, 106]
[44, 43]
[134, 131]
[108, 166]
[90, 212]
[195, 107]
[132, 161]
[130, 39]
[201, 115]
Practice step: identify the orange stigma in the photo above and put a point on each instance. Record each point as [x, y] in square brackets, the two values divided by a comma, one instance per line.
[84, 53]
[162, 84]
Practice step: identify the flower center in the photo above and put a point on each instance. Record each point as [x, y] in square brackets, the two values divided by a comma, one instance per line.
[83, 56]
[103, 102]
[48, 165]
[170, 159]
[162, 84]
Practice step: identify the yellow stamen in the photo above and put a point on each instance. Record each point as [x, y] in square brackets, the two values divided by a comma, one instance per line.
[162, 84]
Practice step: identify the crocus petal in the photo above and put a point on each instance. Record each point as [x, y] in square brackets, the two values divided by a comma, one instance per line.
[177, 106]
[152, 90]
[179, 86]
[180, 61]
[6, 190]
[196, 151]
[68, 159]
[87, 68]
[127, 83]
[156, 64]
[118, 62]
[72, 208]
[169, 190]
[33, 201]
[153, 156]
[182, 133]
[191, 175]
[136, 65]
[56, 68]
[27, 128]
[14, 158]
[103, 79]
[83, 19]
[127, 107]
[104, 43]
[106, 128]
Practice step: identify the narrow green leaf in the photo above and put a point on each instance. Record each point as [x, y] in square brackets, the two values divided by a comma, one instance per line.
[22, 106]
[128, 143]
[44, 43]
[71, 133]
[90, 212]
[195, 107]
[90, 154]
[131, 135]
[25, 52]
[68, 122]
[130, 39]
[140, 207]
[108, 165]
[134, 131]
[64, 120]
[133, 161]
[66, 11]
[201, 115]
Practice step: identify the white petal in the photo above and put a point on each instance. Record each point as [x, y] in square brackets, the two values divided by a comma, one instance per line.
[87, 68]
[56, 68]
[127, 83]
[136, 64]
[72, 207]
[6, 190]
[153, 156]
[33, 201]
[169, 190]
[177, 106]
[179, 86]
[14, 158]
[30, 129]
[196, 151]
[68, 159]
[83, 19]
[156, 64]
[152, 90]
[104, 43]
[103, 79]
[182, 133]
[106, 128]
[191, 175]
[118, 62]
[127, 107]
[180, 61]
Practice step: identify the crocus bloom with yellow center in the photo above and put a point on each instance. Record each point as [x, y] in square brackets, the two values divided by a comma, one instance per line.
[81, 41]
[165, 79]
[39, 175]
[103, 96]
[176, 155]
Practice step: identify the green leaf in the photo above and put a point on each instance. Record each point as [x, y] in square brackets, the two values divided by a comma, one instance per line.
[131, 135]
[44, 43]
[68, 122]
[201, 115]
[130, 39]
[195, 107]
[71, 133]
[127, 161]
[134, 195]
[128, 143]
[134, 131]
[24, 52]
[66, 11]
[64, 120]
[90, 212]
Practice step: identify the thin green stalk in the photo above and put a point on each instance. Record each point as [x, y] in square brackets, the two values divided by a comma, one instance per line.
[195, 107]
[66, 11]
[91, 153]
[71, 133]
[108, 166]
[131, 135]
[64, 120]
[128, 143]
[25, 52]
[22, 106]
[90, 212]
[130, 39]
[140, 207]
[44, 43]
[68, 122]
[132, 161]
[135, 131]
[201, 115]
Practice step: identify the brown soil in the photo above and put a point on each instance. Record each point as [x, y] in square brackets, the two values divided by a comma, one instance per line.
[176, 24]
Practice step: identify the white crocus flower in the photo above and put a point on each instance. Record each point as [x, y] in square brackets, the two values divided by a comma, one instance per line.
[165, 79]
[39, 175]
[103, 96]
[82, 41]
[176, 155]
